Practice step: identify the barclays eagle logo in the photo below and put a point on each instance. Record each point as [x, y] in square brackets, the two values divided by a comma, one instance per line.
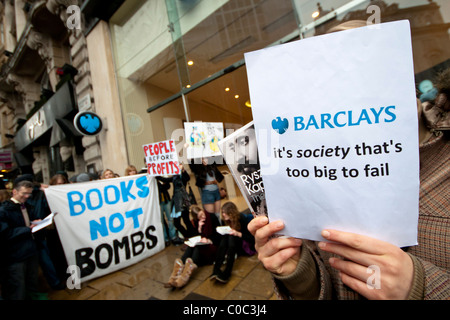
[280, 125]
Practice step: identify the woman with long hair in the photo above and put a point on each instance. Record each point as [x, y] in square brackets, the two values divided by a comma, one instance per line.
[238, 241]
[201, 254]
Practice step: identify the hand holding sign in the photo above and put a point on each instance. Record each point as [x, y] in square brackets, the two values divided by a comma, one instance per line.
[347, 155]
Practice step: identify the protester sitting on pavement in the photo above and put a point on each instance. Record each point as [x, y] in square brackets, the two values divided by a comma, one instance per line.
[201, 254]
[20, 261]
[238, 241]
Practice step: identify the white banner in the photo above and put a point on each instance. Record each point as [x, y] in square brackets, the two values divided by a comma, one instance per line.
[344, 108]
[106, 225]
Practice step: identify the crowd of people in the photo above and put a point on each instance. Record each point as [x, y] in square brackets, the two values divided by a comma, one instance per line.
[24, 253]
[301, 269]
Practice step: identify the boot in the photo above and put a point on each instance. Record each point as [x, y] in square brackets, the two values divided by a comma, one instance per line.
[177, 270]
[189, 268]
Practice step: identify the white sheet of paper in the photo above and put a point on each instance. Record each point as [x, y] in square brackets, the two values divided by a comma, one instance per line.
[43, 223]
[349, 103]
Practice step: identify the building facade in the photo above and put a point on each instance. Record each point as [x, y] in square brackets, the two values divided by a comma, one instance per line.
[147, 66]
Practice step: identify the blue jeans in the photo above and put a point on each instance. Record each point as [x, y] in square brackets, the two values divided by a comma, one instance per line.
[47, 266]
[166, 209]
[209, 196]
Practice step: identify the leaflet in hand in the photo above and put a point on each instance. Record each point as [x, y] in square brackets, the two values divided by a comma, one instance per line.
[240, 152]
[223, 230]
[43, 223]
[195, 241]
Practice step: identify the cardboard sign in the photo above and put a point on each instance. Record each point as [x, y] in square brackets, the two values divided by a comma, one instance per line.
[344, 108]
[161, 158]
[109, 224]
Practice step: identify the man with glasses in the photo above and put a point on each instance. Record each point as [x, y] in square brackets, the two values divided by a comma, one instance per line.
[18, 253]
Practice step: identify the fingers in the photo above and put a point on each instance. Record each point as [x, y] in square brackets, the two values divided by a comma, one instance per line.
[350, 269]
[276, 245]
[257, 223]
[263, 230]
[356, 241]
[278, 254]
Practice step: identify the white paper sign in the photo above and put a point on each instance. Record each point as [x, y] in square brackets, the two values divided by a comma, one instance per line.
[202, 139]
[161, 158]
[344, 108]
[109, 224]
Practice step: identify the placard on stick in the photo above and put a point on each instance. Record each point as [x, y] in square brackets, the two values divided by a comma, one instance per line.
[161, 158]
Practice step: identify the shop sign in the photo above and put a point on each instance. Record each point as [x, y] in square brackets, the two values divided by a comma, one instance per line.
[58, 106]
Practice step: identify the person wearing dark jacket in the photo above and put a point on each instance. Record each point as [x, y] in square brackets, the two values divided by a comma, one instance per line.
[238, 241]
[180, 202]
[41, 210]
[20, 262]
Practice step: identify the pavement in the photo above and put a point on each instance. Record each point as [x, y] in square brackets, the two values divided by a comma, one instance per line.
[145, 280]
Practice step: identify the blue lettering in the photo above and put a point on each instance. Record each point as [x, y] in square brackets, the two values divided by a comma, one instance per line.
[312, 121]
[364, 117]
[99, 198]
[142, 185]
[126, 190]
[298, 121]
[377, 114]
[335, 119]
[121, 222]
[350, 118]
[325, 117]
[345, 118]
[116, 192]
[73, 203]
[96, 228]
[134, 214]
[388, 112]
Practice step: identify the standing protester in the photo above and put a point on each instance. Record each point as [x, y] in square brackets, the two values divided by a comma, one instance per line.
[180, 202]
[20, 261]
[207, 178]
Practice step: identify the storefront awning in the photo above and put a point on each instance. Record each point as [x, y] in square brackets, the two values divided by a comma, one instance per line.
[62, 128]
[60, 106]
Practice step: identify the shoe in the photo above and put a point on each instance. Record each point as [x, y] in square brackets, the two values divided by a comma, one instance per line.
[222, 279]
[189, 268]
[176, 272]
[177, 241]
[213, 277]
